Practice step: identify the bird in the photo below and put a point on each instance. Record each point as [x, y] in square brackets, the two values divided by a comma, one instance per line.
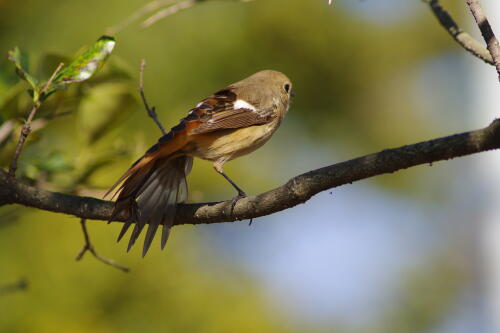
[232, 122]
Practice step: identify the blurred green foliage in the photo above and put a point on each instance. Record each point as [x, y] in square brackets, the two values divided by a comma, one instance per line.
[97, 107]
[353, 79]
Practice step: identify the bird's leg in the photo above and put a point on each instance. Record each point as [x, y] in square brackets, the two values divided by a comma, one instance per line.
[241, 194]
[218, 167]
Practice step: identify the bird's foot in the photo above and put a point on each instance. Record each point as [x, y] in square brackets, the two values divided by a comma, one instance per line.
[240, 195]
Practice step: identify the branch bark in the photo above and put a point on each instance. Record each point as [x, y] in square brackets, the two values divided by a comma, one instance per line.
[461, 37]
[296, 191]
[486, 31]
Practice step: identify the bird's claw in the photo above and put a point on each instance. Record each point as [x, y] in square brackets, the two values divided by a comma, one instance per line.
[240, 195]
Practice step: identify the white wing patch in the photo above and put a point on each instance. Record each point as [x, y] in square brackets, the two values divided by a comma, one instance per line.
[241, 104]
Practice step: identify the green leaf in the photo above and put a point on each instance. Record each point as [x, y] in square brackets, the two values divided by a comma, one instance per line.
[20, 61]
[86, 65]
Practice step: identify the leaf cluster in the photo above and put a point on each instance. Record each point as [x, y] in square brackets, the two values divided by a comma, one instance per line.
[84, 113]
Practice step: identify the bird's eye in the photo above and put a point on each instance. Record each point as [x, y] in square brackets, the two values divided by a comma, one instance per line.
[287, 87]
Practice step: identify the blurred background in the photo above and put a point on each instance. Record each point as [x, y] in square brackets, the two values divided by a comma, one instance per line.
[415, 251]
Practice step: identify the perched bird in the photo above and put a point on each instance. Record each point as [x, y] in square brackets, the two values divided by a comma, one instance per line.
[232, 122]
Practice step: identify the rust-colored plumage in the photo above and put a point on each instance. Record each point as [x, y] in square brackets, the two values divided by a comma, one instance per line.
[232, 122]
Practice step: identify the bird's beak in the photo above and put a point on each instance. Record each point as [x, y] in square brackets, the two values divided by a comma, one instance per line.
[292, 93]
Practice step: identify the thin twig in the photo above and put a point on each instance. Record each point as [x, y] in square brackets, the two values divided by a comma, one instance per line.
[488, 35]
[6, 129]
[148, 8]
[464, 39]
[168, 11]
[151, 110]
[89, 247]
[26, 130]
[20, 285]
[173, 6]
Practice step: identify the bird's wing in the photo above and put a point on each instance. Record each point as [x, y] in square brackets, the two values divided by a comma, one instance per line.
[224, 110]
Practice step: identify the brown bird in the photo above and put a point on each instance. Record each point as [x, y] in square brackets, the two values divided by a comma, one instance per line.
[232, 122]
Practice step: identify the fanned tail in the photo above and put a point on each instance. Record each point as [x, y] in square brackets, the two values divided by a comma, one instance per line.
[150, 195]
[151, 189]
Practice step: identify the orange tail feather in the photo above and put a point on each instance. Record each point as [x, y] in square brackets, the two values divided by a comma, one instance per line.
[150, 187]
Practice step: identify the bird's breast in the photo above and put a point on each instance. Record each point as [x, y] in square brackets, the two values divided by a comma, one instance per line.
[231, 143]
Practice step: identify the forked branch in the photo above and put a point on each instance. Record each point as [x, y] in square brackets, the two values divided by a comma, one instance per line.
[460, 36]
[89, 247]
[487, 32]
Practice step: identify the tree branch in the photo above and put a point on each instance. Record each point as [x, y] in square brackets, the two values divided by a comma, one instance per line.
[185, 4]
[6, 129]
[149, 7]
[151, 110]
[26, 130]
[171, 7]
[88, 246]
[296, 191]
[20, 285]
[461, 37]
[168, 11]
[486, 31]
